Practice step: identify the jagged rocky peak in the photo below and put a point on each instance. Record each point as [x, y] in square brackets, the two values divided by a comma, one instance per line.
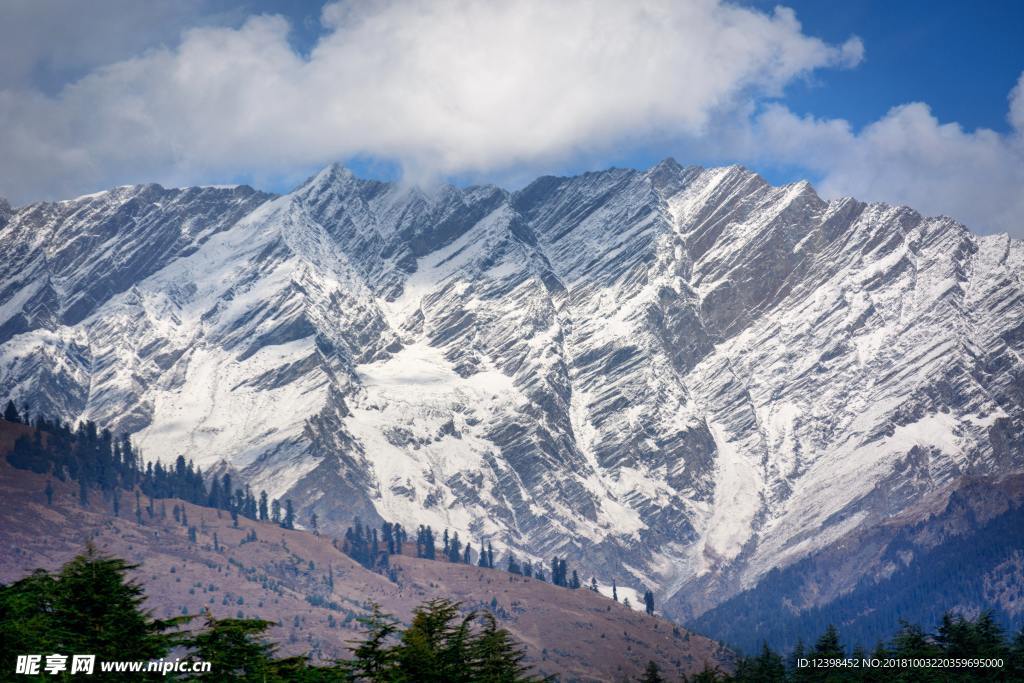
[681, 377]
[68, 258]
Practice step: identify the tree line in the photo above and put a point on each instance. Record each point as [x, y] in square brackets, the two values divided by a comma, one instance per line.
[372, 550]
[91, 607]
[101, 462]
[903, 659]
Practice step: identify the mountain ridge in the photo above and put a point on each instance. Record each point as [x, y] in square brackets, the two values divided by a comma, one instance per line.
[684, 376]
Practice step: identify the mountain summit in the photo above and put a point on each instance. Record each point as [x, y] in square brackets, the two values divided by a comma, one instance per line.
[680, 377]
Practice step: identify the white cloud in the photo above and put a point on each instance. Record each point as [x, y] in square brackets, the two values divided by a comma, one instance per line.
[444, 87]
[906, 157]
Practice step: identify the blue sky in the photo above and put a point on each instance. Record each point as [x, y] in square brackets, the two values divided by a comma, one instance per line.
[906, 102]
[960, 57]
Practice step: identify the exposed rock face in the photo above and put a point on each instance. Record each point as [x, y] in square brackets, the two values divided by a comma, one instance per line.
[681, 377]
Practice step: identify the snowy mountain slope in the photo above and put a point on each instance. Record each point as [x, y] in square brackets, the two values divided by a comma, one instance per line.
[682, 377]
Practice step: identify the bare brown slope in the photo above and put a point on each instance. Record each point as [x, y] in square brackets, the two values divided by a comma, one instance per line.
[576, 634]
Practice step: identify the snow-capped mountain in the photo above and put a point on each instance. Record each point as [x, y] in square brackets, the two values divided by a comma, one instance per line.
[679, 377]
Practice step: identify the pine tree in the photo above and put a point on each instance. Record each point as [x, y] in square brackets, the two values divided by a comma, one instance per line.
[275, 515]
[1015, 659]
[494, 655]
[828, 646]
[435, 646]
[796, 655]
[263, 506]
[235, 649]
[225, 491]
[375, 659]
[49, 492]
[649, 602]
[652, 674]
[11, 412]
[98, 611]
[429, 547]
[482, 561]
[766, 667]
[27, 622]
[313, 524]
[289, 515]
[593, 583]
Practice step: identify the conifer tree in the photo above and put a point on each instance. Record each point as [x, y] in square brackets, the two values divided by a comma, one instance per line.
[11, 412]
[494, 656]
[275, 515]
[27, 622]
[766, 667]
[225, 491]
[429, 547]
[828, 645]
[375, 658]
[263, 506]
[454, 548]
[289, 515]
[652, 674]
[49, 492]
[97, 610]
[235, 649]
[649, 602]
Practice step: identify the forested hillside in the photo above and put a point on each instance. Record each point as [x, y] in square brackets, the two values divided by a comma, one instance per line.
[311, 588]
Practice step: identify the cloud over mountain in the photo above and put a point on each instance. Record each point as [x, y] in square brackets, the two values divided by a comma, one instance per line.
[441, 88]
